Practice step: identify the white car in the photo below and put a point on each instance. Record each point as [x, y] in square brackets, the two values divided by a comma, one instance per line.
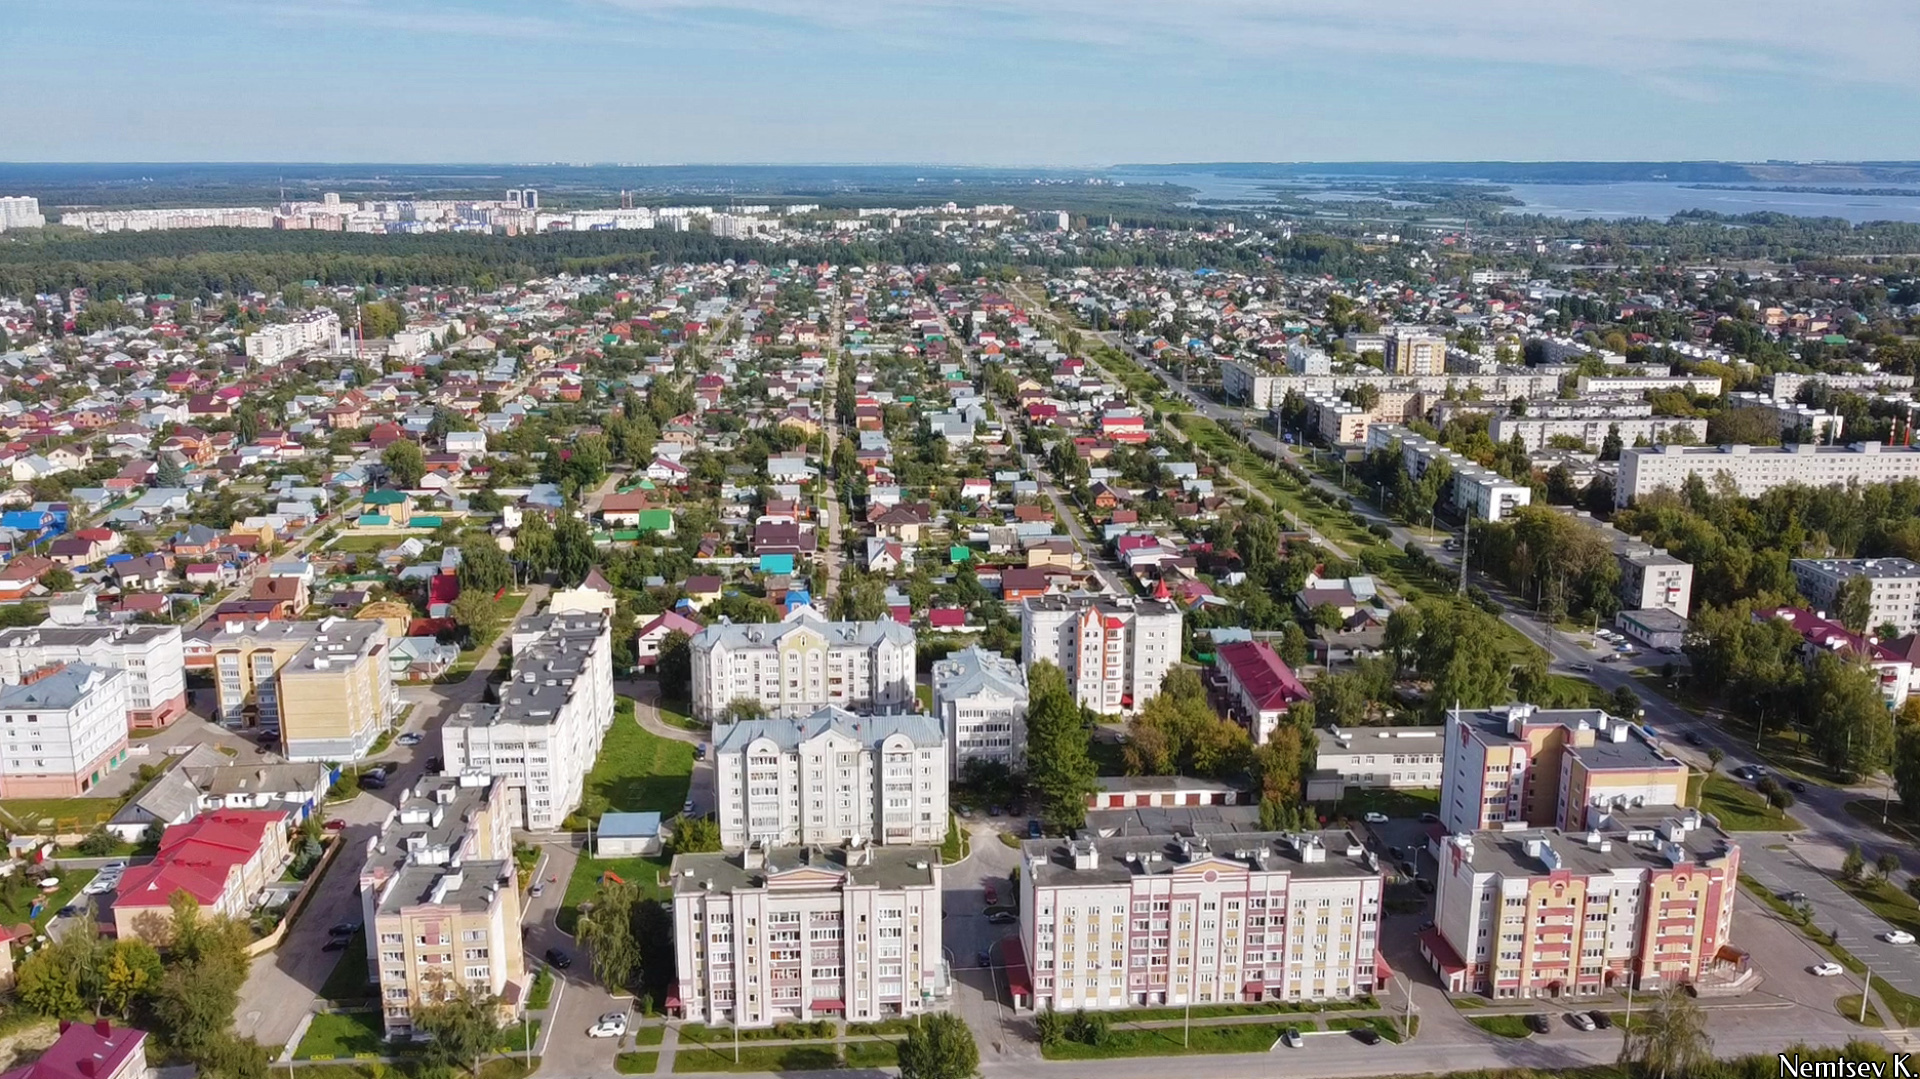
[1897, 936]
[1825, 970]
[611, 1025]
[1374, 818]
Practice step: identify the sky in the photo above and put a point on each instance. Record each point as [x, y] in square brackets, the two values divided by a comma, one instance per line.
[1001, 82]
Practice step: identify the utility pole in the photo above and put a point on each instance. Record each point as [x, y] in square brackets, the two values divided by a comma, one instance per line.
[1865, 991]
[1466, 535]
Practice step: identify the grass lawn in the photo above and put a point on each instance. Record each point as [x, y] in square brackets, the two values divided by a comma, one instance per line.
[760, 1058]
[1133, 1042]
[333, 1035]
[1741, 810]
[1849, 1006]
[66, 814]
[1408, 803]
[14, 911]
[1507, 1026]
[678, 712]
[873, 1054]
[504, 609]
[360, 544]
[1868, 811]
[954, 849]
[644, 873]
[520, 1037]
[652, 1035]
[1225, 1011]
[349, 978]
[701, 1034]
[636, 1063]
[541, 994]
[637, 771]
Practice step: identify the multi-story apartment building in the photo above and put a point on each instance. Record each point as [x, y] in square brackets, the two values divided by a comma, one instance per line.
[152, 656]
[1375, 757]
[1894, 584]
[65, 729]
[1131, 920]
[1257, 386]
[1786, 386]
[1550, 768]
[1755, 470]
[20, 212]
[325, 684]
[1600, 385]
[1115, 650]
[1410, 352]
[440, 898]
[800, 665]
[543, 735]
[1478, 491]
[269, 345]
[1792, 416]
[1535, 432]
[830, 778]
[1643, 899]
[769, 935]
[980, 701]
[1652, 579]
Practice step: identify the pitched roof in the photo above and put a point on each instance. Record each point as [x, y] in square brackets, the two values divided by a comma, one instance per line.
[1268, 682]
[84, 1051]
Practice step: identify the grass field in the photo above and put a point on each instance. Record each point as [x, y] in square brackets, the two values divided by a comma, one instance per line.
[636, 1063]
[1507, 1026]
[873, 1054]
[541, 993]
[678, 712]
[1894, 906]
[1849, 1006]
[336, 1035]
[1229, 1038]
[1386, 1026]
[349, 543]
[65, 814]
[759, 1058]
[1741, 810]
[1394, 803]
[637, 771]
[15, 910]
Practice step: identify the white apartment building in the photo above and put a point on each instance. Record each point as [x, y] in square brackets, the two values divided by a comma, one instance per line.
[546, 731]
[1591, 385]
[1374, 758]
[20, 212]
[1411, 352]
[1536, 431]
[830, 778]
[1894, 583]
[65, 729]
[153, 658]
[770, 935]
[1305, 360]
[1478, 491]
[419, 340]
[1115, 651]
[803, 664]
[980, 701]
[1755, 470]
[1238, 917]
[1791, 415]
[1786, 386]
[1260, 387]
[269, 345]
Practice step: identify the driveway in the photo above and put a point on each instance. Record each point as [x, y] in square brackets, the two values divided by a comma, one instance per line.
[980, 993]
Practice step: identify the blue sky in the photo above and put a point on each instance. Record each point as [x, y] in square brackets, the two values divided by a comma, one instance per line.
[1041, 82]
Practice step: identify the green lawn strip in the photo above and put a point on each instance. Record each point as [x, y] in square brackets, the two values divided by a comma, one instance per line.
[757, 1058]
[1621, 1022]
[1741, 810]
[1849, 1006]
[520, 1037]
[954, 849]
[676, 712]
[1410, 802]
[59, 814]
[701, 1034]
[1227, 1011]
[1386, 1026]
[884, 1026]
[636, 1063]
[1894, 906]
[648, 1035]
[1466, 1004]
[349, 978]
[872, 1054]
[14, 909]
[541, 993]
[1166, 1041]
[348, 543]
[1506, 1026]
[637, 770]
[1901, 1007]
[337, 1035]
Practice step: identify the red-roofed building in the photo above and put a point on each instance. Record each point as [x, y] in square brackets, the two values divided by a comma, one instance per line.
[442, 590]
[1261, 686]
[1891, 668]
[90, 1051]
[220, 859]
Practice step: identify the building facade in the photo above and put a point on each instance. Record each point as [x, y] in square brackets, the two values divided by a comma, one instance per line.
[544, 734]
[1652, 579]
[269, 345]
[1414, 353]
[1133, 920]
[325, 684]
[221, 859]
[766, 936]
[1535, 432]
[66, 730]
[153, 658]
[1375, 757]
[1641, 900]
[1478, 491]
[830, 778]
[980, 702]
[800, 665]
[440, 898]
[1893, 585]
[1755, 470]
[1550, 768]
[1115, 651]
[1260, 685]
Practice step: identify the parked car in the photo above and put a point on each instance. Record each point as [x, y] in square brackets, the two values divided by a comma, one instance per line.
[1033, 829]
[686, 808]
[1583, 668]
[611, 1025]
[1002, 917]
[983, 958]
[337, 944]
[334, 824]
[1796, 786]
[1290, 1038]
[539, 888]
[411, 738]
[1694, 739]
[1897, 936]
[1582, 1021]
[1826, 970]
[344, 929]
[1365, 1035]
[434, 764]
[114, 867]
[1539, 1023]
[1374, 818]
[1602, 1020]
[700, 752]
[558, 959]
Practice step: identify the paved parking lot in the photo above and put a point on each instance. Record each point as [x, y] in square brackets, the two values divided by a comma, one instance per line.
[1833, 909]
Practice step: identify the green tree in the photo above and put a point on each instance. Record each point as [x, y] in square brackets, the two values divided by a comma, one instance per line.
[1887, 864]
[940, 1046]
[1059, 764]
[695, 835]
[1669, 1040]
[674, 665]
[207, 963]
[483, 566]
[1714, 756]
[607, 932]
[58, 980]
[1854, 864]
[533, 543]
[573, 551]
[58, 579]
[129, 971]
[406, 464]
[1853, 603]
[465, 1025]
[383, 319]
[474, 611]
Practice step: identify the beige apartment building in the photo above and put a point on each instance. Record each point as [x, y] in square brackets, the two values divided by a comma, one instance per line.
[323, 684]
[440, 898]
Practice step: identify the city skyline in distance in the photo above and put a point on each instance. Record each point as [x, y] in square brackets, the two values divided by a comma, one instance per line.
[1062, 83]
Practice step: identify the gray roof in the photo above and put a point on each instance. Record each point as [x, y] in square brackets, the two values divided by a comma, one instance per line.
[790, 733]
[1637, 846]
[768, 635]
[1634, 750]
[974, 670]
[169, 798]
[1359, 740]
[873, 867]
[473, 887]
[1344, 855]
[60, 690]
[78, 636]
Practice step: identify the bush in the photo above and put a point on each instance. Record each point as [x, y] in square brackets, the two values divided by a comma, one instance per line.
[1380, 531]
[1052, 1026]
[1089, 1028]
[98, 843]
